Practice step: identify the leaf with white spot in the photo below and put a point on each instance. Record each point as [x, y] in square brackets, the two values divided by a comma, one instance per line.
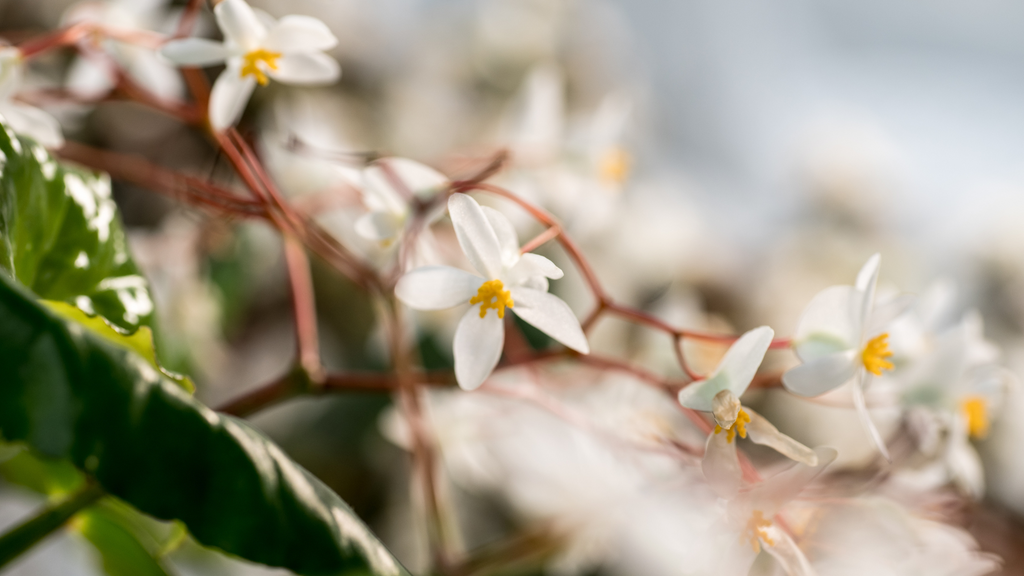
[69, 394]
[60, 236]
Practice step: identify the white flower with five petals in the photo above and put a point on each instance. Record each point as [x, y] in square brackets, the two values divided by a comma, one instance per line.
[840, 339]
[507, 279]
[22, 118]
[719, 394]
[256, 49]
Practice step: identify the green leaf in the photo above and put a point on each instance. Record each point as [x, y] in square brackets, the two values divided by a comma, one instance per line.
[52, 478]
[121, 552]
[140, 341]
[60, 235]
[69, 394]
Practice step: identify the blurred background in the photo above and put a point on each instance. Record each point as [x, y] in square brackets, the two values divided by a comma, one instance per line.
[730, 159]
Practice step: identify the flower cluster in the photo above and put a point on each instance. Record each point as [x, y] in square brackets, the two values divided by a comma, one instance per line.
[571, 394]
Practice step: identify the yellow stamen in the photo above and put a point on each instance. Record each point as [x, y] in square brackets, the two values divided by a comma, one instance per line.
[738, 427]
[614, 166]
[252, 60]
[757, 528]
[492, 290]
[876, 353]
[975, 410]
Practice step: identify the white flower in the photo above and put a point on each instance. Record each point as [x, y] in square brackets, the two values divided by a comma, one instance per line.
[289, 50]
[959, 383]
[750, 517]
[506, 279]
[388, 200]
[22, 118]
[719, 394]
[839, 338]
[91, 79]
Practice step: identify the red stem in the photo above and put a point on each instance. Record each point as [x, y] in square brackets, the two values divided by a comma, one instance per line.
[541, 239]
[304, 303]
[188, 18]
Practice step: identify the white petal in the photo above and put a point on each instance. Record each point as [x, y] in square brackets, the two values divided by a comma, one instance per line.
[379, 192]
[240, 24]
[786, 552]
[833, 315]
[475, 234]
[825, 373]
[419, 179]
[721, 465]
[88, 79]
[229, 96]
[761, 431]
[550, 315]
[868, 275]
[378, 226]
[770, 495]
[964, 464]
[538, 283]
[884, 313]
[532, 265]
[423, 180]
[734, 372]
[477, 348]
[195, 52]
[437, 288]
[11, 71]
[865, 416]
[867, 281]
[306, 68]
[34, 123]
[296, 33]
[508, 240]
[264, 18]
[153, 72]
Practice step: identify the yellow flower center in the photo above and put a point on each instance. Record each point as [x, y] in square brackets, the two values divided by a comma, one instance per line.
[492, 294]
[757, 530]
[738, 427]
[251, 66]
[975, 410]
[614, 166]
[876, 353]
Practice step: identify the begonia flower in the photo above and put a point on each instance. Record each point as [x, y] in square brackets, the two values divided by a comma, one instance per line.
[959, 383]
[505, 279]
[256, 49]
[719, 394]
[840, 339]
